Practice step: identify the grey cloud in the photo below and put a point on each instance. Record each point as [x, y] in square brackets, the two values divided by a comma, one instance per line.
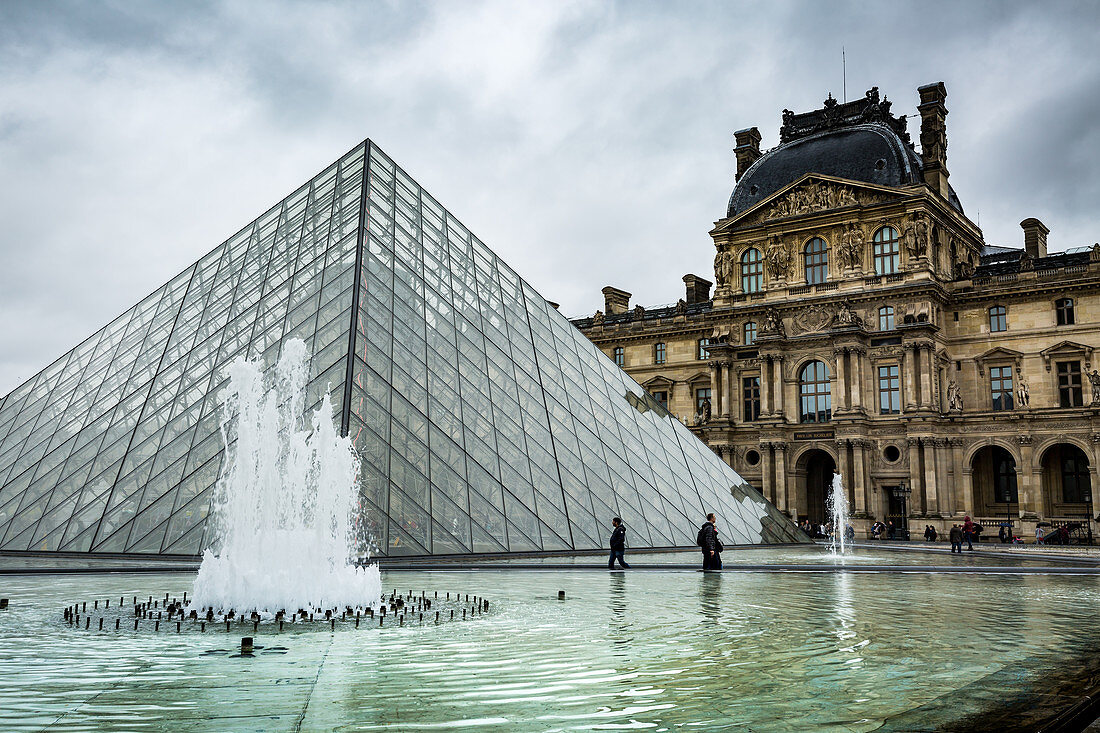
[588, 143]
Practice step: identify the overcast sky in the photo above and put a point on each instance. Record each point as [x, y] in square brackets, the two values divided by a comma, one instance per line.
[587, 143]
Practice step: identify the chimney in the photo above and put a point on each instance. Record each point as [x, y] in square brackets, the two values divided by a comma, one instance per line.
[1035, 237]
[615, 300]
[933, 136]
[747, 149]
[698, 289]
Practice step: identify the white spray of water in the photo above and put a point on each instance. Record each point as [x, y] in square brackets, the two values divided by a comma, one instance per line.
[285, 501]
[838, 515]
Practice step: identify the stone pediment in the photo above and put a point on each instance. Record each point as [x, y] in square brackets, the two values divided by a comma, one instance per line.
[657, 382]
[1066, 350]
[999, 354]
[812, 194]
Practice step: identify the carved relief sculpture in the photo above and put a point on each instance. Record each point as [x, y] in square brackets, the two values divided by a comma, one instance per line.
[845, 316]
[814, 318]
[814, 196]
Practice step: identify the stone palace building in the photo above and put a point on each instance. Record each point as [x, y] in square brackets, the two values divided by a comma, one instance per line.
[860, 324]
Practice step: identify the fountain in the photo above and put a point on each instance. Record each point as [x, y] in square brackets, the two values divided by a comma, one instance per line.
[285, 500]
[837, 507]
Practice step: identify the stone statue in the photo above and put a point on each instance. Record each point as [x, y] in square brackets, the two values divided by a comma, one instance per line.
[1023, 394]
[915, 238]
[597, 319]
[954, 397]
[778, 257]
[723, 264]
[845, 316]
[639, 312]
[1094, 380]
[851, 248]
[681, 307]
[1094, 256]
[773, 323]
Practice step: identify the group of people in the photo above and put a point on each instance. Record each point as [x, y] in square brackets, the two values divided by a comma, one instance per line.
[970, 532]
[880, 531]
[707, 539]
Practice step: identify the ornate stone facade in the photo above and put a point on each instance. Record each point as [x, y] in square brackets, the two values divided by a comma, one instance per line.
[938, 375]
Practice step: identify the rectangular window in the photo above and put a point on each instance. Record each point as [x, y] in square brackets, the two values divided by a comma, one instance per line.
[1064, 310]
[889, 390]
[1069, 384]
[703, 351]
[702, 398]
[620, 359]
[659, 353]
[750, 395]
[886, 318]
[1000, 382]
[661, 398]
[998, 318]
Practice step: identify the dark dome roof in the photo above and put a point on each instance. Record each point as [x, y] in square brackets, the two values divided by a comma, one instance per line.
[871, 152]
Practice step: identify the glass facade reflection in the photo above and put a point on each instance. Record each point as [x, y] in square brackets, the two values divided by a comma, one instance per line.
[486, 422]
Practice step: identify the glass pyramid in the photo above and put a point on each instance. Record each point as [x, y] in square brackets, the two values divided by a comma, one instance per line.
[486, 422]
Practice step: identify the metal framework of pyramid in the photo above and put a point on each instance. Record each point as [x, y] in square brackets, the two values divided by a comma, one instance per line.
[486, 422]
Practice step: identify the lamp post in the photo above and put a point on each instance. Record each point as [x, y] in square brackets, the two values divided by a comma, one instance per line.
[1088, 500]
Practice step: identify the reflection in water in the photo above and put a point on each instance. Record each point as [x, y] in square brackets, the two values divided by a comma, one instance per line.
[671, 650]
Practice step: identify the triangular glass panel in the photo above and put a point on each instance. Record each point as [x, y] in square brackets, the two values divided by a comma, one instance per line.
[484, 420]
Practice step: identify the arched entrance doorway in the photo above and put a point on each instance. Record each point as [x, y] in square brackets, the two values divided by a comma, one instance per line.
[820, 468]
[1066, 481]
[993, 475]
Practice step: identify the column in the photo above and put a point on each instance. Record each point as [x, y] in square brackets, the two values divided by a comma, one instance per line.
[777, 374]
[1027, 482]
[729, 395]
[765, 386]
[914, 474]
[766, 472]
[844, 467]
[909, 376]
[932, 505]
[857, 378]
[859, 472]
[841, 380]
[960, 476]
[925, 350]
[781, 479]
[715, 387]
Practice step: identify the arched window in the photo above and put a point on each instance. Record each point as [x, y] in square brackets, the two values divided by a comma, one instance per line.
[814, 392]
[1076, 480]
[752, 271]
[886, 251]
[998, 318]
[1063, 309]
[659, 352]
[750, 333]
[619, 359]
[1004, 476]
[886, 318]
[815, 258]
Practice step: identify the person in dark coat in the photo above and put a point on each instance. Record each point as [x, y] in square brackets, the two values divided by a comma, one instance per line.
[710, 544]
[618, 544]
[956, 537]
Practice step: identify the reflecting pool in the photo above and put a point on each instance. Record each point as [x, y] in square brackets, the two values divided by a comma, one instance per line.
[655, 650]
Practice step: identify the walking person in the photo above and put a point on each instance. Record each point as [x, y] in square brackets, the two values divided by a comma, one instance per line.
[968, 532]
[956, 537]
[710, 544]
[618, 544]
